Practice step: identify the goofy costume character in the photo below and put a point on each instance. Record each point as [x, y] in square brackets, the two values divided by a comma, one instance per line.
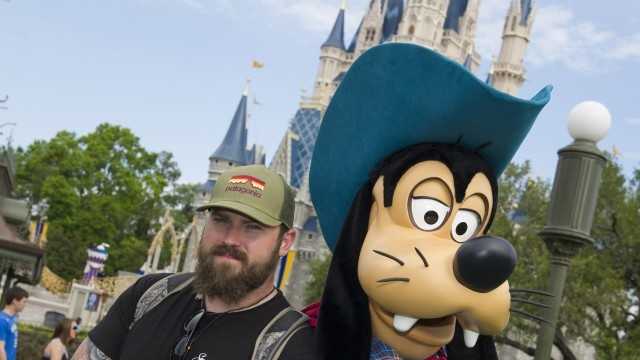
[403, 178]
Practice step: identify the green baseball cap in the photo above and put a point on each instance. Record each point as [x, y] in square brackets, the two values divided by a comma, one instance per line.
[255, 191]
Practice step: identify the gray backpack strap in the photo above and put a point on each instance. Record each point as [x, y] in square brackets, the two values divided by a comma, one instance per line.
[276, 334]
[159, 291]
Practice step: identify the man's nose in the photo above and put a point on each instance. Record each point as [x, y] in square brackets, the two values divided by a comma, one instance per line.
[233, 236]
[483, 263]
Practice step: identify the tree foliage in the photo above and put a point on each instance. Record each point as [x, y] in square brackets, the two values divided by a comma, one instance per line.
[100, 187]
[600, 303]
[319, 269]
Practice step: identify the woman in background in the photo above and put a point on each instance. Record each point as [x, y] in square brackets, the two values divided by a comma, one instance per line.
[63, 334]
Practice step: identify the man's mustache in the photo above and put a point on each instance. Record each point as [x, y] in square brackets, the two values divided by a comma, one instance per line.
[231, 251]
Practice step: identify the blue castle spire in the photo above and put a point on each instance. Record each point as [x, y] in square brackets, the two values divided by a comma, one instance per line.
[525, 7]
[455, 11]
[234, 146]
[467, 62]
[336, 38]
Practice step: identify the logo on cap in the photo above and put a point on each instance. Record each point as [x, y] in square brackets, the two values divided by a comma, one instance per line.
[243, 179]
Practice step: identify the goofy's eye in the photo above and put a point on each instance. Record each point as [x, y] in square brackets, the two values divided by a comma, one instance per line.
[428, 214]
[465, 225]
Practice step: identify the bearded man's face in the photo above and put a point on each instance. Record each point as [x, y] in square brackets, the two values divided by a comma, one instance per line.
[236, 255]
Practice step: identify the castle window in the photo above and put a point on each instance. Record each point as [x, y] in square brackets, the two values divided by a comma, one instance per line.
[370, 34]
[412, 29]
[513, 23]
[310, 236]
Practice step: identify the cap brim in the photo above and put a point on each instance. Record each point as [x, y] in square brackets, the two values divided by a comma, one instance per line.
[244, 209]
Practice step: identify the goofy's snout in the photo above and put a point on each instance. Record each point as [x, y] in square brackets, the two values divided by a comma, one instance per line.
[483, 263]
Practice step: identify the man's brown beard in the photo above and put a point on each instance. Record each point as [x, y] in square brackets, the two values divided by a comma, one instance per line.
[221, 281]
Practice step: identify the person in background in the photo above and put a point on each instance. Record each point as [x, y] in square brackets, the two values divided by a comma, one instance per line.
[16, 300]
[62, 337]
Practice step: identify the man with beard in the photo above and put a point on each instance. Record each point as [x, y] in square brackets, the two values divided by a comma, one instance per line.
[228, 309]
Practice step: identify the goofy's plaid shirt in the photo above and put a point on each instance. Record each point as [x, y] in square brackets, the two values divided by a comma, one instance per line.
[382, 351]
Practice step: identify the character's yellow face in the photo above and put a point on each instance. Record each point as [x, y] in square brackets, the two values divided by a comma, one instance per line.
[406, 264]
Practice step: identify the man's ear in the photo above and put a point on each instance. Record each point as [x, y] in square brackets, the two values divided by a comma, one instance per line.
[287, 240]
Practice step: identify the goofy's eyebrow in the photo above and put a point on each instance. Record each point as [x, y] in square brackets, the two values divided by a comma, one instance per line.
[485, 203]
[450, 197]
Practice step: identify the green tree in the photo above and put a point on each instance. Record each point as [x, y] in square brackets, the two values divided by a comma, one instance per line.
[319, 268]
[602, 286]
[101, 187]
[181, 198]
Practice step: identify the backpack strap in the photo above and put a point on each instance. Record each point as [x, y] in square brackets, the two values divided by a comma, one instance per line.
[273, 338]
[159, 291]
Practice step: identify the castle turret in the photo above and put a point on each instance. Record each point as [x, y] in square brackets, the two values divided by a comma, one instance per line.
[370, 31]
[423, 22]
[508, 70]
[332, 64]
[233, 149]
[459, 32]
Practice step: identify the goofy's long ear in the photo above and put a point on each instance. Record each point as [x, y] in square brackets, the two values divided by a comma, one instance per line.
[344, 324]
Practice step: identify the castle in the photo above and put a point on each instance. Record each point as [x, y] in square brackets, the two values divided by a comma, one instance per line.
[446, 26]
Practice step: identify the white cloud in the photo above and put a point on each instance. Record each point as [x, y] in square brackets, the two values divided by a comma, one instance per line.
[558, 37]
[626, 48]
[317, 15]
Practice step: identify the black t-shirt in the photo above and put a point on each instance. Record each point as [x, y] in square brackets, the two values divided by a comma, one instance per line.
[219, 336]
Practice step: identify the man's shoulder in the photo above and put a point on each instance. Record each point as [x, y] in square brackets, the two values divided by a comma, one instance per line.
[302, 345]
[6, 318]
[150, 279]
[147, 281]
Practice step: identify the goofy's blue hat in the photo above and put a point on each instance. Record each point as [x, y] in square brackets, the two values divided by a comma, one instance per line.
[397, 95]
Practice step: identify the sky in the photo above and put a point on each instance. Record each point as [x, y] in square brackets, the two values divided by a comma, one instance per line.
[173, 71]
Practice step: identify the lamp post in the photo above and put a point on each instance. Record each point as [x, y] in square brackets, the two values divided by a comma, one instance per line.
[573, 202]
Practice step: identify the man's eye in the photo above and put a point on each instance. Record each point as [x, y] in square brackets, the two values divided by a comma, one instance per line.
[428, 214]
[218, 219]
[254, 227]
[465, 225]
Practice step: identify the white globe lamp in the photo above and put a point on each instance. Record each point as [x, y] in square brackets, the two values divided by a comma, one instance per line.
[589, 120]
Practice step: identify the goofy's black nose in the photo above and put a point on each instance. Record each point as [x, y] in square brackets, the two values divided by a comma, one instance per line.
[483, 263]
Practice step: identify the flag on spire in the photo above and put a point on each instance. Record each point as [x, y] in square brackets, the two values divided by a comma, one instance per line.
[257, 64]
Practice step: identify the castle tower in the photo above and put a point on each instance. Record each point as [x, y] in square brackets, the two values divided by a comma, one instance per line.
[233, 149]
[423, 22]
[508, 70]
[370, 30]
[332, 58]
[459, 31]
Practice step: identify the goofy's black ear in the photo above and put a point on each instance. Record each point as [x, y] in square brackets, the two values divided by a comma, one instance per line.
[344, 324]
